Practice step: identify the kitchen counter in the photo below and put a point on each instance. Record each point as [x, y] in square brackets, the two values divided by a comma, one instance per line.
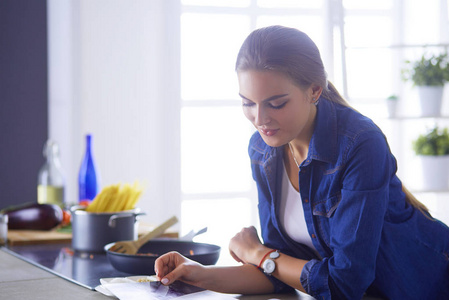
[22, 280]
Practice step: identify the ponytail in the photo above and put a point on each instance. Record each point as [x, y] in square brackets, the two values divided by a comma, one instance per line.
[333, 95]
[410, 199]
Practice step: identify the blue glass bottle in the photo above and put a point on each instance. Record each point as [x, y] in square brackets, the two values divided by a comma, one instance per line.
[88, 177]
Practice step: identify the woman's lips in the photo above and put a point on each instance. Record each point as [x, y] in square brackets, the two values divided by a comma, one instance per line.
[269, 132]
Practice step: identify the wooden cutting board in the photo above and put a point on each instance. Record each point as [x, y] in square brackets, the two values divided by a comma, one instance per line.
[26, 237]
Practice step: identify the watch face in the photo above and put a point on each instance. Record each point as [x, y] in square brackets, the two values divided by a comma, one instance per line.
[269, 266]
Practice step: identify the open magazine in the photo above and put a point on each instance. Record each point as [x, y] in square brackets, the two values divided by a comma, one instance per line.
[146, 287]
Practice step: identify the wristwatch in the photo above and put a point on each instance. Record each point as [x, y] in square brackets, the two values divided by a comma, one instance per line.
[269, 265]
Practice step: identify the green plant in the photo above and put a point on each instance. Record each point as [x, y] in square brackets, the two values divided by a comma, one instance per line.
[393, 97]
[430, 71]
[435, 142]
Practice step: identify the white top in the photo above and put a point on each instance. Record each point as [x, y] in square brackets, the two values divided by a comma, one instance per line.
[292, 213]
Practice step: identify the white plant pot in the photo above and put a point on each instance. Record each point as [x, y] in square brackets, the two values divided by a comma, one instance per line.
[430, 98]
[435, 170]
[392, 107]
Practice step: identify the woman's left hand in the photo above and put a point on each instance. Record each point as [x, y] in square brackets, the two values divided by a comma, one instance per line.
[246, 247]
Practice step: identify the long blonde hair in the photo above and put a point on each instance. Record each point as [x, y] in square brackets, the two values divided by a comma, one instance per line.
[293, 53]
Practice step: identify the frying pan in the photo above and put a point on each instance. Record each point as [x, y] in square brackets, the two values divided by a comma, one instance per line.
[206, 254]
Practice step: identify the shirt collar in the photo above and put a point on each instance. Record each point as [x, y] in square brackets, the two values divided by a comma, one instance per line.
[323, 145]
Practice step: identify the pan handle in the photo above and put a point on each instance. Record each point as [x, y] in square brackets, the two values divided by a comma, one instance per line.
[189, 236]
[112, 222]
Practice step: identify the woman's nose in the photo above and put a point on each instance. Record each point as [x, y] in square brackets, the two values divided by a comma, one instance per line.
[261, 117]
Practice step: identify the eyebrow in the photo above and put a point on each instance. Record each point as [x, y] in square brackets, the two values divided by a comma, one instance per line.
[268, 99]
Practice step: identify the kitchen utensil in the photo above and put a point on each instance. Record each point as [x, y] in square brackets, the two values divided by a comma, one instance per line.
[131, 247]
[189, 236]
[92, 231]
[142, 263]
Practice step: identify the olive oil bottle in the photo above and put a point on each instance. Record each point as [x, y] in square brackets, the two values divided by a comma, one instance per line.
[50, 187]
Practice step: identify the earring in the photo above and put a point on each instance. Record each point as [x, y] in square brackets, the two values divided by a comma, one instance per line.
[315, 102]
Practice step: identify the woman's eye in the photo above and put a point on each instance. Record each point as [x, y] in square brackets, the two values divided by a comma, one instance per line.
[270, 105]
[279, 106]
[247, 104]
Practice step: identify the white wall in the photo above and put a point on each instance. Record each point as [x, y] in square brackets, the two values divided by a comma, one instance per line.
[109, 75]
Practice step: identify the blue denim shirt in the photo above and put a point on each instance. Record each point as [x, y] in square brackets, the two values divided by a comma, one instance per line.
[369, 238]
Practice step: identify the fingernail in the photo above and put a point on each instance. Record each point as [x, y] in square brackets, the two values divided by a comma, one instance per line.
[165, 281]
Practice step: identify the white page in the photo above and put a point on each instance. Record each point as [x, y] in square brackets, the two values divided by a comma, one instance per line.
[157, 291]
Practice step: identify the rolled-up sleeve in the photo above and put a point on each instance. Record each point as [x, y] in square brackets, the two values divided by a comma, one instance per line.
[355, 227]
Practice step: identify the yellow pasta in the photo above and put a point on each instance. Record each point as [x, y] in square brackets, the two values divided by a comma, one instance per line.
[116, 197]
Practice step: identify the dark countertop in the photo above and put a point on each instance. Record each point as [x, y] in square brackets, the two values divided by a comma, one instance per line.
[22, 280]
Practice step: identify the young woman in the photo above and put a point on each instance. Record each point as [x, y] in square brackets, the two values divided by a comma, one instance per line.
[336, 221]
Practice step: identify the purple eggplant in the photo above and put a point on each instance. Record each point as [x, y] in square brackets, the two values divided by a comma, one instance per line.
[34, 216]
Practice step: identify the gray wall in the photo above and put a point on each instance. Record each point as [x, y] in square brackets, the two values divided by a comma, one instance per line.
[23, 98]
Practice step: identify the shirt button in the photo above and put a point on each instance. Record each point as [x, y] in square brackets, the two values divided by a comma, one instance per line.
[306, 200]
[313, 235]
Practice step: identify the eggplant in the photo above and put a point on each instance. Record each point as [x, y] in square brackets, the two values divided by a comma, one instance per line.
[34, 216]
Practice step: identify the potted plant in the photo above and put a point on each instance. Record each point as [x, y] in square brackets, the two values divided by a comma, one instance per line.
[392, 105]
[429, 74]
[433, 150]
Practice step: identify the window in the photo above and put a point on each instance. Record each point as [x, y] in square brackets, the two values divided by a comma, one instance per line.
[215, 177]
[380, 36]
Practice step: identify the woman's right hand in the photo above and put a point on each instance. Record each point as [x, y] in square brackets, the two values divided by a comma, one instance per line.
[173, 266]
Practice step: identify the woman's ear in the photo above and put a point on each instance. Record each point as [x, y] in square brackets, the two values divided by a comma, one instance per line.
[315, 92]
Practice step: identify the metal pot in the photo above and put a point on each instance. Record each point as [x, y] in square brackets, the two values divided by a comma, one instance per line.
[142, 263]
[92, 231]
